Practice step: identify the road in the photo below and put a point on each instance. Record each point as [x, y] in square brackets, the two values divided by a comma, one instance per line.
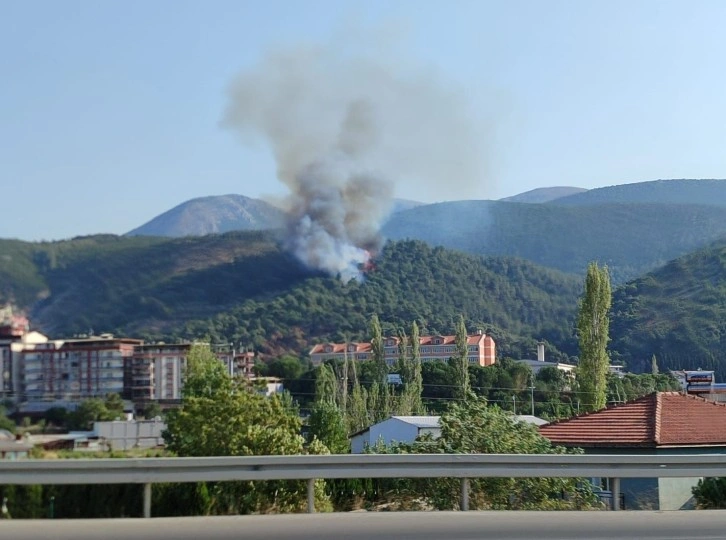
[684, 525]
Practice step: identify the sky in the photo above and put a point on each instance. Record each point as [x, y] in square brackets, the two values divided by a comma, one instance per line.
[111, 112]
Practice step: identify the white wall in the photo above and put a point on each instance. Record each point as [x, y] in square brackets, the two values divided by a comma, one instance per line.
[389, 431]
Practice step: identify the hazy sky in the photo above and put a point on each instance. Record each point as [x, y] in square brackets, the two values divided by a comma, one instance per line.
[110, 111]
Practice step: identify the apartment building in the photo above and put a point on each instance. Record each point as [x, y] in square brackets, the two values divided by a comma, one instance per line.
[13, 329]
[481, 350]
[155, 371]
[74, 369]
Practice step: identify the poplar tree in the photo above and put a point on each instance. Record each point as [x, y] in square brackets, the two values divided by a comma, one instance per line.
[416, 383]
[593, 326]
[461, 360]
[379, 394]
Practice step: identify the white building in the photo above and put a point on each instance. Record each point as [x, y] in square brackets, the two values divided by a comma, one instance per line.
[537, 365]
[122, 435]
[396, 429]
[405, 429]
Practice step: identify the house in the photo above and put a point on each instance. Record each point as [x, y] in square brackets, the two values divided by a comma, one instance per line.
[407, 428]
[12, 447]
[395, 429]
[662, 423]
[702, 383]
[481, 350]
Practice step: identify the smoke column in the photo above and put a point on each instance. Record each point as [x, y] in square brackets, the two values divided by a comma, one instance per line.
[343, 128]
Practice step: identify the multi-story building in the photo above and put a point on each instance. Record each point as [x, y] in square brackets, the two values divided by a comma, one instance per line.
[13, 330]
[74, 369]
[156, 372]
[481, 350]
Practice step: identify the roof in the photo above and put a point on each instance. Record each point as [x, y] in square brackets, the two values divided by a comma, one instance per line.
[420, 421]
[530, 419]
[656, 420]
[359, 347]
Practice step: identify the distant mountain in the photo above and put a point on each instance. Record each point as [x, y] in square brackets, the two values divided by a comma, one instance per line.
[225, 213]
[712, 192]
[677, 313]
[209, 215]
[543, 195]
[630, 238]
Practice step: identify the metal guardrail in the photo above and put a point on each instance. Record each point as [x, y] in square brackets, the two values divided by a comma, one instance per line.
[465, 466]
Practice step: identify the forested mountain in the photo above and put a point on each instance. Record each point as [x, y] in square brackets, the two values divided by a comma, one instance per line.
[541, 195]
[677, 313]
[712, 192]
[514, 300]
[631, 239]
[242, 287]
[217, 214]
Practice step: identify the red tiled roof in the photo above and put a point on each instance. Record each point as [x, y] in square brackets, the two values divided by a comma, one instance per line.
[658, 419]
[423, 340]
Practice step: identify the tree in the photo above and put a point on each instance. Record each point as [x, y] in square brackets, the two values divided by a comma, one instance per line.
[286, 367]
[473, 427]
[653, 366]
[326, 385]
[5, 422]
[221, 416]
[88, 411]
[115, 406]
[415, 385]
[327, 424]
[153, 410]
[593, 325]
[710, 493]
[379, 393]
[461, 361]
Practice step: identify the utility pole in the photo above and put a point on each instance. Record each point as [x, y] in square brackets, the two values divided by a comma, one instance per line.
[531, 389]
[514, 403]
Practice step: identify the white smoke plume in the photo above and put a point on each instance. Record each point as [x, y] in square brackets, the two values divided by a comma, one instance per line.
[343, 129]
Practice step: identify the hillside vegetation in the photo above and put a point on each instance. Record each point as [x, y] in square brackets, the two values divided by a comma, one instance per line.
[677, 313]
[514, 300]
[631, 239]
[242, 287]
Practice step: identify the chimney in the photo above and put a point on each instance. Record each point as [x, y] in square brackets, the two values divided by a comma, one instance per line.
[540, 351]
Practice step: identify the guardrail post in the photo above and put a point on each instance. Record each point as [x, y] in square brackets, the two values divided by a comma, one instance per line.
[615, 489]
[147, 500]
[464, 503]
[311, 496]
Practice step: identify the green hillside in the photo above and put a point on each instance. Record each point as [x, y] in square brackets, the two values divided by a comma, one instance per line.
[631, 239]
[678, 313]
[512, 299]
[241, 287]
